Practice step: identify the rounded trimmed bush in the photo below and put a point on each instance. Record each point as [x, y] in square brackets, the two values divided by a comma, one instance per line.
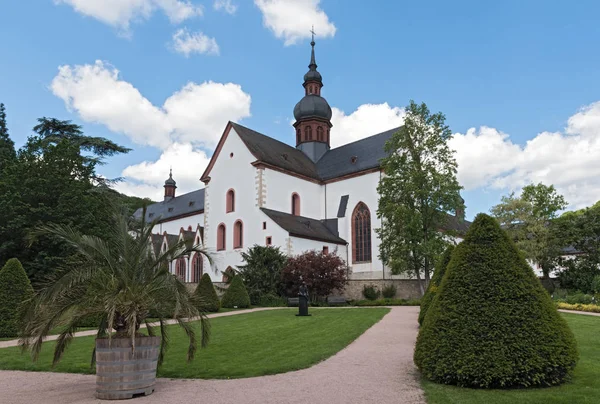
[370, 292]
[15, 288]
[492, 324]
[207, 295]
[434, 283]
[236, 294]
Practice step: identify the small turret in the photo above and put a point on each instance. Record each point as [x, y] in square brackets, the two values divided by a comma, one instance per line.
[170, 187]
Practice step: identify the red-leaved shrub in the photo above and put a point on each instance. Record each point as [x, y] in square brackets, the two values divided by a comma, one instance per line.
[323, 273]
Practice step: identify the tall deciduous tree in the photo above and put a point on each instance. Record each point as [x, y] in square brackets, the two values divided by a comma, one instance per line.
[54, 180]
[418, 188]
[528, 219]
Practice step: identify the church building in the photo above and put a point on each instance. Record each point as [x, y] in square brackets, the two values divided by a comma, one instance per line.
[259, 190]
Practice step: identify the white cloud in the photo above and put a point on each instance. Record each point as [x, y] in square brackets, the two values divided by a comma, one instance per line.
[367, 120]
[569, 160]
[488, 159]
[291, 20]
[187, 43]
[195, 114]
[147, 178]
[120, 13]
[225, 5]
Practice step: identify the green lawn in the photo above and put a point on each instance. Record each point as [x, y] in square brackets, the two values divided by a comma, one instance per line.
[584, 388]
[244, 345]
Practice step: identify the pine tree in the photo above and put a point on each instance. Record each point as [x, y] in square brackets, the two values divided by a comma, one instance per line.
[436, 279]
[7, 146]
[15, 288]
[236, 295]
[492, 324]
[207, 295]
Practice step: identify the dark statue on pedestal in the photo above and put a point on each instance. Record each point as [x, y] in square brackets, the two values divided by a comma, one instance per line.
[303, 300]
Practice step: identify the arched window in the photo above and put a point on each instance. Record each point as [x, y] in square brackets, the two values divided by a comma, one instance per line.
[361, 234]
[295, 204]
[230, 203]
[298, 135]
[221, 243]
[180, 269]
[238, 234]
[308, 133]
[320, 133]
[197, 267]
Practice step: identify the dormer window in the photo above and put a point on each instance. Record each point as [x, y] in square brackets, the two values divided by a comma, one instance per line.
[192, 203]
[150, 214]
[170, 209]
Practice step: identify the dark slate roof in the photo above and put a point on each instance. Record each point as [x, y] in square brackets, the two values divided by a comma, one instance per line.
[335, 163]
[368, 152]
[181, 205]
[188, 237]
[303, 227]
[456, 224]
[157, 240]
[343, 206]
[312, 106]
[172, 239]
[274, 152]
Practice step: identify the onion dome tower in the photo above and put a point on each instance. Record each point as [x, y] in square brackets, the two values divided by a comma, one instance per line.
[312, 114]
[170, 186]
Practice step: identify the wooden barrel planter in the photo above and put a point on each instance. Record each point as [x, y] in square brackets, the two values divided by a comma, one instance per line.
[122, 373]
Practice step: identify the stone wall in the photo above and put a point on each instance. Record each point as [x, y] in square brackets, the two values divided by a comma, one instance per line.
[405, 288]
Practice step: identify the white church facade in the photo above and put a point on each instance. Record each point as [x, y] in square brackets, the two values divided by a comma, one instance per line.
[259, 190]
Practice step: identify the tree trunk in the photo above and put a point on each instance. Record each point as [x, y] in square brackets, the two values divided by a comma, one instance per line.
[420, 281]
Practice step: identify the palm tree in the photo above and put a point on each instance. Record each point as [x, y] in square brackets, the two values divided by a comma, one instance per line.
[120, 281]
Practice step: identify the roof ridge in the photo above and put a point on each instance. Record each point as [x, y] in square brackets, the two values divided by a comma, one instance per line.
[234, 124]
[365, 138]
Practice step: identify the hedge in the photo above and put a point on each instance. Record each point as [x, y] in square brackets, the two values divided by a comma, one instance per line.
[207, 295]
[236, 295]
[388, 302]
[434, 283]
[15, 288]
[590, 308]
[492, 324]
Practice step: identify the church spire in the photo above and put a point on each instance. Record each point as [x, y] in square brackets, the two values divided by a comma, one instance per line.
[312, 113]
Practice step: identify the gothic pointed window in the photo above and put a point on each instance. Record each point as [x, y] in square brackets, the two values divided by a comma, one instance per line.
[361, 234]
[320, 133]
[221, 241]
[230, 202]
[180, 269]
[197, 267]
[238, 234]
[308, 133]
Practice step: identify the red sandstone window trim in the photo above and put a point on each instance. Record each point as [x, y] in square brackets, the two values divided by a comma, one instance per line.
[269, 240]
[238, 234]
[221, 237]
[295, 204]
[180, 269]
[197, 267]
[361, 234]
[230, 201]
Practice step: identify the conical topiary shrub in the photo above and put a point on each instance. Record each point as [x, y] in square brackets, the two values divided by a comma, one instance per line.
[15, 288]
[492, 324]
[207, 295]
[236, 294]
[434, 283]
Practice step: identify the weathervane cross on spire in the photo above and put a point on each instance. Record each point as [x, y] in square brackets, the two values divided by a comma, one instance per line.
[312, 31]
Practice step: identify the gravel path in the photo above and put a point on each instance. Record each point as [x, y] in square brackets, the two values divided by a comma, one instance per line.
[587, 313]
[376, 368]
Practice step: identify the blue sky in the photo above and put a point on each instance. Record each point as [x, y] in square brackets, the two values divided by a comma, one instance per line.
[511, 72]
